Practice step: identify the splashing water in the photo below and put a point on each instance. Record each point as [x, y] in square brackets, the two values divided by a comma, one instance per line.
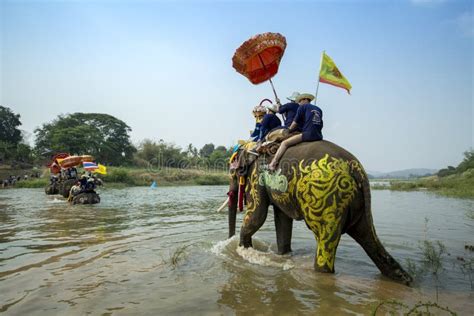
[266, 259]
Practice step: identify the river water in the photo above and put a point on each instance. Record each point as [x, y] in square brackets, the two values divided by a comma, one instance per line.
[164, 251]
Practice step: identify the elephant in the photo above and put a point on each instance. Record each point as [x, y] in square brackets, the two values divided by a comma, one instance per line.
[52, 188]
[320, 183]
[86, 198]
[65, 186]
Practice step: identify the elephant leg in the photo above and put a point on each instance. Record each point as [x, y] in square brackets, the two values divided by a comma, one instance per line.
[252, 223]
[284, 228]
[327, 246]
[364, 233]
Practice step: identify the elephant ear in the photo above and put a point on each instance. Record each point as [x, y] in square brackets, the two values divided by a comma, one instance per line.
[245, 160]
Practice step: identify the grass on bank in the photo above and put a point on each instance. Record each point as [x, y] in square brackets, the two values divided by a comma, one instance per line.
[120, 177]
[32, 183]
[164, 177]
[456, 185]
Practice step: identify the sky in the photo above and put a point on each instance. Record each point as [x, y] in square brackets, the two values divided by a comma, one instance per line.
[165, 69]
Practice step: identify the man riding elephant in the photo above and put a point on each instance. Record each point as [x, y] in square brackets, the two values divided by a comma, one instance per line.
[309, 118]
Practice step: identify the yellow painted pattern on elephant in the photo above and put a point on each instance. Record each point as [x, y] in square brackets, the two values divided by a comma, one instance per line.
[324, 189]
[253, 198]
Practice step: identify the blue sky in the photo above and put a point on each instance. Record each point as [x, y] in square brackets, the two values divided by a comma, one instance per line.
[165, 69]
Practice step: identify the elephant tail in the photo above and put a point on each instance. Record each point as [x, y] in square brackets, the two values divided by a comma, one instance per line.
[363, 231]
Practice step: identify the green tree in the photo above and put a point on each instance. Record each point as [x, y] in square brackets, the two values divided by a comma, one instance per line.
[206, 150]
[101, 135]
[9, 123]
[221, 149]
[161, 154]
[467, 163]
[192, 155]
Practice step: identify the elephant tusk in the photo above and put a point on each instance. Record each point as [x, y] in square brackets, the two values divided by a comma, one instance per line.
[223, 205]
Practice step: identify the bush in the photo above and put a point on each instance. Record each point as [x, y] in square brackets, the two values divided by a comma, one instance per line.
[119, 175]
[33, 183]
[212, 180]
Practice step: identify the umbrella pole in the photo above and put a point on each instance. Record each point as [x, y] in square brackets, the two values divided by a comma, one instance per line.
[271, 82]
[273, 88]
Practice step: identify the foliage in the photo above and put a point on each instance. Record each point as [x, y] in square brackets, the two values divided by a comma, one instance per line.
[12, 149]
[161, 154]
[466, 266]
[120, 175]
[433, 253]
[158, 155]
[177, 256]
[466, 164]
[456, 185]
[9, 123]
[212, 180]
[163, 177]
[452, 181]
[101, 135]
[206, 150]
[32, 183]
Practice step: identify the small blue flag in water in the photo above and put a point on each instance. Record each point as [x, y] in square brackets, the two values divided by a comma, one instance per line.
[153, 185]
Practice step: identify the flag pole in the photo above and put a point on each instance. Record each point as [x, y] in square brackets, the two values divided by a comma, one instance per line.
[319, 72]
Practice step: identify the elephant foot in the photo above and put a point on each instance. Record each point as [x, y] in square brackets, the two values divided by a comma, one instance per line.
[246, 243]
[283, 250]
[323, 269]
[400, 276]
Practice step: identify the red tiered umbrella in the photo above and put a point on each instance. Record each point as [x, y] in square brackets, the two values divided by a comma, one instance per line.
[259, 57]
[53, 165]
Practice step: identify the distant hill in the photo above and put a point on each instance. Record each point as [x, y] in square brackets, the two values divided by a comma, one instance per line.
[402, 174]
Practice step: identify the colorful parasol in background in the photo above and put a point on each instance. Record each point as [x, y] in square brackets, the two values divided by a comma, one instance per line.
[53, 165]
[73, 161]
[259, 57]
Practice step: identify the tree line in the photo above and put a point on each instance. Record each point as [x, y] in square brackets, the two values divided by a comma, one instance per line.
[103, 136]
[466, 164]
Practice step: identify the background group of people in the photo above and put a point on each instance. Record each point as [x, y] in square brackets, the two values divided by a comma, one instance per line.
[299, 116]
[64, 174]
[12, 180]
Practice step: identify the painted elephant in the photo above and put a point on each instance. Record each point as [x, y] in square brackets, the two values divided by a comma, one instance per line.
[320, 183]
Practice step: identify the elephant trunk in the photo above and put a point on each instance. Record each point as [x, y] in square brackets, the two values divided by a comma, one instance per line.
[232, 211]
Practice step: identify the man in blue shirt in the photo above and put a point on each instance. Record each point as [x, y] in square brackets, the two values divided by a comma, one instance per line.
[258, 112]
[270, 121]
[288, 110]
[310, 118]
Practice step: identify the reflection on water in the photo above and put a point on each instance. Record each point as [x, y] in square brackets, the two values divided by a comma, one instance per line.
[124, 256]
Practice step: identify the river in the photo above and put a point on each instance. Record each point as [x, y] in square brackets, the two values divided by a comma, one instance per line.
[164, 252]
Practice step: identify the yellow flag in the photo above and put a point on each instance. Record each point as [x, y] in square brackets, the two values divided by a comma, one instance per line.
[330, 74]
[101, 169]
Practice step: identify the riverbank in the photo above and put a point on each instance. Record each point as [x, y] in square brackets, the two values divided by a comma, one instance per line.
[456, 185]
[118, 177]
